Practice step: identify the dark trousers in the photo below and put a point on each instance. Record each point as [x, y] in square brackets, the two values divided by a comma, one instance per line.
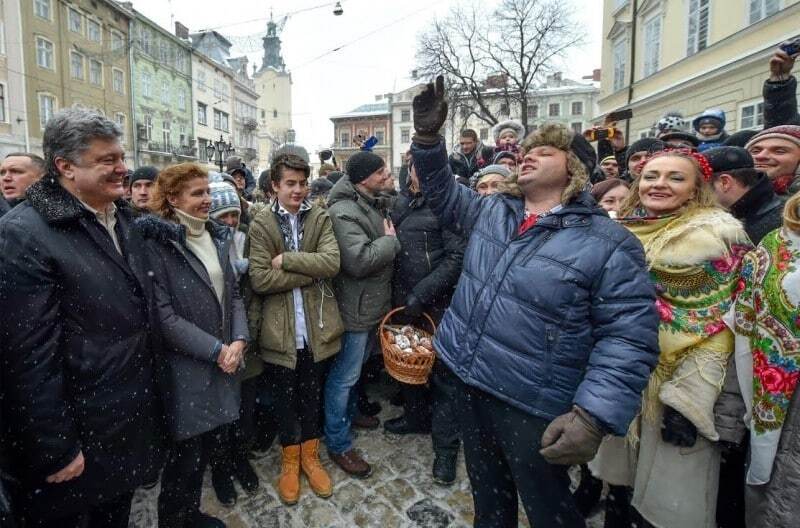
[182, 479]
[445, 429]
[231, 443]
[730, 498]
[298, 398]
[501, 448]
[111, 514]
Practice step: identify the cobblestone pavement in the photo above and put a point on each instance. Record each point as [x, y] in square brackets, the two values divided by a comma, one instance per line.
[399, 493]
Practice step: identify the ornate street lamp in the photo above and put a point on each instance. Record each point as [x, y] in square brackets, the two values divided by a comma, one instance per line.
[218, 152]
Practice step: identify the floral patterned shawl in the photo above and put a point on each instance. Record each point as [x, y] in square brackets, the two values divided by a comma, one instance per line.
[767, 314]
[694, 260]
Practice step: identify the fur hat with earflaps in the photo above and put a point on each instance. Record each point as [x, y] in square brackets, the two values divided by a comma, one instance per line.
[581, 157]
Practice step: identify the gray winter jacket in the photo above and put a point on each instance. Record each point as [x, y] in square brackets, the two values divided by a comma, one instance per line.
[364, 284]
[199, 396]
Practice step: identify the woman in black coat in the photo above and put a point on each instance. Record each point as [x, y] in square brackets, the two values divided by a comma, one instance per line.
[425, 275]
[204, 329]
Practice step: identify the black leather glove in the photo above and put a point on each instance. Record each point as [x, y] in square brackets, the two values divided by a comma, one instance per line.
[677, 429]
[414, 306]
[430, 113]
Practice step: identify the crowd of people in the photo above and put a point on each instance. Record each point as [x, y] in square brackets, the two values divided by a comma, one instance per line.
[629, 309]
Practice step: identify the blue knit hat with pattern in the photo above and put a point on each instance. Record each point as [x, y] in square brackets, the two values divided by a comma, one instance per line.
[223, 199]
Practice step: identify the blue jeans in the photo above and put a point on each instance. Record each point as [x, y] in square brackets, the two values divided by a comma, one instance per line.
[340, 399]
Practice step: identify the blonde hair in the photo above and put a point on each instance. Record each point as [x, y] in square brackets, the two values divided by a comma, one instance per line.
[703, 197]
[560, 137]
[170, 183]
[791, 213]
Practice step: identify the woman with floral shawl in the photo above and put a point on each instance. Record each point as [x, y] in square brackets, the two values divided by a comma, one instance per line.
[694, 251]
[766, 321]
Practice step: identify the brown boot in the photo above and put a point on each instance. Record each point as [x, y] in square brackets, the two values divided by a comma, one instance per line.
[318, 478]
[352, 464]
[289, 481]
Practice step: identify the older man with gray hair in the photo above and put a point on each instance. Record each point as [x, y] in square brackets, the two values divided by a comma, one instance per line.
[80, 407]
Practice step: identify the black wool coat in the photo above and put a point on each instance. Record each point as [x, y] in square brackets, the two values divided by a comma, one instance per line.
[760, 210]
[198, 395]
[77, 352]
[430, 258]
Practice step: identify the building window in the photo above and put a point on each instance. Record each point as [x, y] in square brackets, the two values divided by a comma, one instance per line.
[164, 92]
[3, 113]
[75, 20]
[698, 26]
[47, 107]
[148, 127]
[76, 65]
[751, 116]
[761, 9]
[275, 114]
[44, 53]
[202, 114]
[96, 72]
[118, 80]
[181, 100]
[577, 108]
[147, 38]
[554, 110]
[117, 41]
[576, 127]
[652, 45]
[533, 111]
[2, 36]
[263, 114]
[94, 31]
[164, 52]
[220, 120]
[201, 80]
[533, 128]
[41, 8]
[380, 135]
[620, 53]
[405, 135]
[484, 134]
[147, 84]
[344, 139]
[504, 109]
[647, 133]
[166, 133]
[405, 116]
[120, 119]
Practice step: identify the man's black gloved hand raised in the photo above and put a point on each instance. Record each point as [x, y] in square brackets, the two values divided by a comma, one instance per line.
[430, 112]
[414, 306]
[677, 429]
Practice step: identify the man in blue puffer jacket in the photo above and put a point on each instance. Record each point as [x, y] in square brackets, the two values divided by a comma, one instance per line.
[552, 330]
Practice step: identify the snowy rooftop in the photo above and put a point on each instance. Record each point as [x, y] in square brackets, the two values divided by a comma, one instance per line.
[366, 110]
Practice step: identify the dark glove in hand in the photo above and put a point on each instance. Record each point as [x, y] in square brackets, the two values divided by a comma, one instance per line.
[414, 306]
[678, 430]
[430, 112]
[571, 439]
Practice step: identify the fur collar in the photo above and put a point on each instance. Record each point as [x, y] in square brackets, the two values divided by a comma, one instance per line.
[163, 231]
[57, 205]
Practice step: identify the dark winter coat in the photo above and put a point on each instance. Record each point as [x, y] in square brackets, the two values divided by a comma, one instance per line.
[4, 206]
[430, 258]
[199, 396]
[364, 284]
[760, 210]
[78, 335]
[472, 163]
[780, 103]
[562, 314]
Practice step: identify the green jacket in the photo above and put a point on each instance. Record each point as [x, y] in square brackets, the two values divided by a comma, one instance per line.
[364, 285]
[271, 309]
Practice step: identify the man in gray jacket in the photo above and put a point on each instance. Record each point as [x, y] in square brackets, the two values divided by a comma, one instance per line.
[368, 245]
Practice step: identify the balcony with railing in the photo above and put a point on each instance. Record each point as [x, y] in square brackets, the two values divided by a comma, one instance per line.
[247, 153]
[249, 123]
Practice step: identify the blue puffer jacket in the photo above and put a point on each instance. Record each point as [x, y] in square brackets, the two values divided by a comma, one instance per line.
[564, 313]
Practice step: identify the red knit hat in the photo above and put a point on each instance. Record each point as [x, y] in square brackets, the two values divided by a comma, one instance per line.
[787, 132]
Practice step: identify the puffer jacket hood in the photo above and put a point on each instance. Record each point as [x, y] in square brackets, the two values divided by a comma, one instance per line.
[713, 113]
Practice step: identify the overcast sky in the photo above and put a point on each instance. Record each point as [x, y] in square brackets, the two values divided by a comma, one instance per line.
[377, 40]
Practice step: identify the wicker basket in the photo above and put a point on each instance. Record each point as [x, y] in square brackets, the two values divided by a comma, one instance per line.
[413, 369]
